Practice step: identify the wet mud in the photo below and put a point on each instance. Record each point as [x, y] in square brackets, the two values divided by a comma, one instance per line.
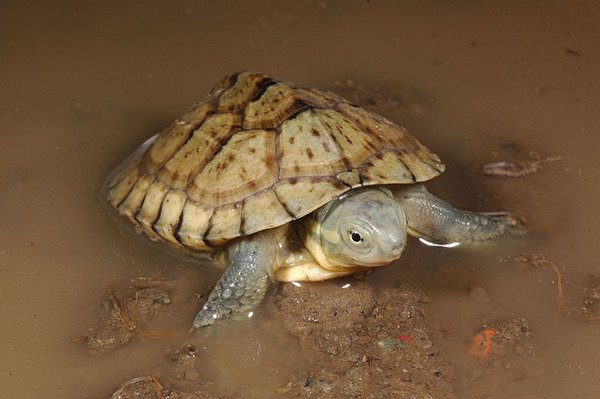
[362, 341]
[356, 340]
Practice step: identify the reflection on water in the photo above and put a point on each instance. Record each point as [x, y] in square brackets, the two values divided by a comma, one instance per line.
[481, 84]
[433, 244]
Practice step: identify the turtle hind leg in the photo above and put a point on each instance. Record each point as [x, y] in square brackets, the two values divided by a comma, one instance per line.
[245, 282]
[432, 218]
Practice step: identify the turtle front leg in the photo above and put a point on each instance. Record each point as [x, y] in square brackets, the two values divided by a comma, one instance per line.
[434, 219]
[244, 284]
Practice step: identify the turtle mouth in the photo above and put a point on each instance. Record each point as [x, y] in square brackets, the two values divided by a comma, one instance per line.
[384, 254]
[377, 260]
[375, 264]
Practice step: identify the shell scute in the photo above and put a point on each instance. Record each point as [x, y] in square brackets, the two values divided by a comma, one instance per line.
[278, 103]
[244, 165]
[263, 211]
[172, 138]
[246, 85]
[124, 183]
[196, 152]
[170, 215]
[130, 205]
[225, 225]
[195, 222]
[307, 148]
[301, 196]
[151, 206]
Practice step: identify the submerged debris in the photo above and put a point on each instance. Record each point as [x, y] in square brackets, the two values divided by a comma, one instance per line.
[149, 387]
[509, 169]
[184, 382]
[125, 315]
[146, 387]
[538, 260]
[497, 338]
[186, 358]
[481, 344]
[582, 312]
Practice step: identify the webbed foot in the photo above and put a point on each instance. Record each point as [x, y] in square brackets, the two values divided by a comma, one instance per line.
[244, 284]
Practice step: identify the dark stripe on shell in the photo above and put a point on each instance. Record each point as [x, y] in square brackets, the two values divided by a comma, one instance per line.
[193, 130]
[278, 153]
[158, 214]
[242, 218]
[209, 227]
[345, 160]
[137, 212]
[302, 106]
[233, 80]
[360, 125]
[177, 227]
[262, 87]
[130, 190]
[284, 205]
[218, 149]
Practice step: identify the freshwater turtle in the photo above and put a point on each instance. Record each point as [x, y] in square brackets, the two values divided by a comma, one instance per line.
[288, 184]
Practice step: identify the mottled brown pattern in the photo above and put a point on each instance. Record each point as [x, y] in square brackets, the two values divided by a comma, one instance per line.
[173, 137]
[150, 209]
[235, 173]
[255, 154]
[194, 225]
[170, 215]
[224, 225]
[197, 151]
[243, 90]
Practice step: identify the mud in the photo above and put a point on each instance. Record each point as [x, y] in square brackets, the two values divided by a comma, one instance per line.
[356, 340]
[362, 341]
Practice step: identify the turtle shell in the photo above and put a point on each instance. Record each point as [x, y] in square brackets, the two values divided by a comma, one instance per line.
[256, 154]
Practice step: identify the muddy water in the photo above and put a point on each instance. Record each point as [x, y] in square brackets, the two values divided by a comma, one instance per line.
[82, 85]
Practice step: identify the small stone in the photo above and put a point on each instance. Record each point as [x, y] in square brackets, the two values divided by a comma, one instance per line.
[389, 344]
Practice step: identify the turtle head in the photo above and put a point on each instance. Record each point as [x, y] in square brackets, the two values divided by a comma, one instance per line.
[361, 228]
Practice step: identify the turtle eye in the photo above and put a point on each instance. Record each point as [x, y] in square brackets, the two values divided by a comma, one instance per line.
[355, 237]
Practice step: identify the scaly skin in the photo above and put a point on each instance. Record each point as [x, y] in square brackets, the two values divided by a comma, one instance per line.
[244, 284]
[435, 219]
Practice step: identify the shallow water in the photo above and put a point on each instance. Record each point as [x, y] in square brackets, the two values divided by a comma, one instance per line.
[82, 85]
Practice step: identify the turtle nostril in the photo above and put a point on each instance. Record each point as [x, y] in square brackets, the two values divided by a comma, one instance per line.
[396, 249]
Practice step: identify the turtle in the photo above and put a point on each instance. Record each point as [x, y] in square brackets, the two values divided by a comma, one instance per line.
[286, 183]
